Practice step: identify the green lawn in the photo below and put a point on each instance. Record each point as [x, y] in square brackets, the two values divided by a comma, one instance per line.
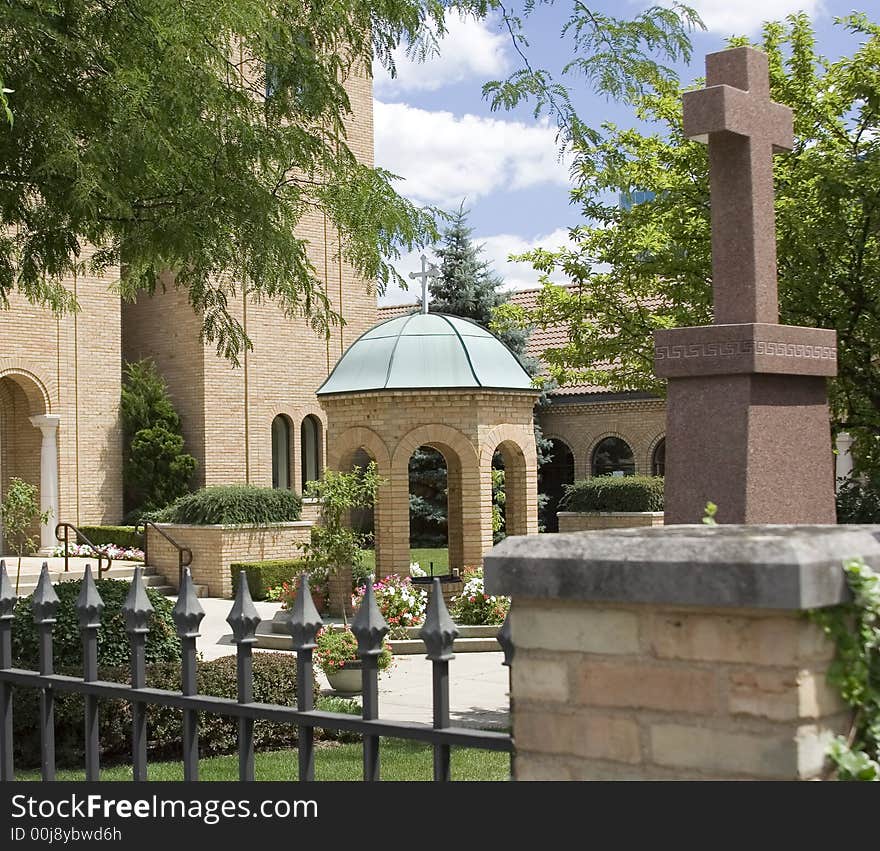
[400, 760]
[424, 556]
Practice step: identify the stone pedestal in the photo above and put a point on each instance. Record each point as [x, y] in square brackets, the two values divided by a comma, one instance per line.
[678, 652]
[748, 422]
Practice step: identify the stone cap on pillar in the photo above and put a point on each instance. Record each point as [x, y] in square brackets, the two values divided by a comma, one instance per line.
[763, 567]
[753, 347]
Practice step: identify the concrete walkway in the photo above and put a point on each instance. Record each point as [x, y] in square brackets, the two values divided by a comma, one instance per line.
[478, 681]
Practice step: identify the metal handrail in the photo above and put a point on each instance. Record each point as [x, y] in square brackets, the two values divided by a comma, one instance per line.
[184, 554]
[65, 539]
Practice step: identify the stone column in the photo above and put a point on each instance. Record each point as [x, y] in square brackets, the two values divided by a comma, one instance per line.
[48, 425]
[676, 652]
[844, 457]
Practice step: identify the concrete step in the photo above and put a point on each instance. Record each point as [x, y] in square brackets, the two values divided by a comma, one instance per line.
[473, 639]
[152, 579]
[279, 626]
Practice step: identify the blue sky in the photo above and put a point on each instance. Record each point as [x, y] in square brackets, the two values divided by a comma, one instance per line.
[435, 130]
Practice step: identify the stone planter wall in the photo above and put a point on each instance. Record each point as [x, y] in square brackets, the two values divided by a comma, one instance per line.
[585, 521]
[311, 510]
[216, 548]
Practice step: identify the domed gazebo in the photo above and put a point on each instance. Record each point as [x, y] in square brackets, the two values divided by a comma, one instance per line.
[427, 379]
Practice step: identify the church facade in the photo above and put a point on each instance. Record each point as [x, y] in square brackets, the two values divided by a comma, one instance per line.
[258, 423]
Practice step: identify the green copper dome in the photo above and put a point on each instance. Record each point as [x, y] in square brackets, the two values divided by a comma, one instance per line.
[421, 351]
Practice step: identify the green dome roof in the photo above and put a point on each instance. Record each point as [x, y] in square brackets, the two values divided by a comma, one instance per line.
[426, 350]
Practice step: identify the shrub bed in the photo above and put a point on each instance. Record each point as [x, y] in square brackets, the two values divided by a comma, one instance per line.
[614, 493]
[163, 644]
[474, 606]
[123, 537]
[274, 682]
[265, 575]
[858, 501]
[232, 505]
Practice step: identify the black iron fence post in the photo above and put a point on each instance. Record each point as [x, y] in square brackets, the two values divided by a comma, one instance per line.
[188, 614]
[44, 606]
[370, 629]
[244, 620]
[89, 606]
[7, 609]
[137, 610]
[303, 624]
[505, 639]
[439, 634]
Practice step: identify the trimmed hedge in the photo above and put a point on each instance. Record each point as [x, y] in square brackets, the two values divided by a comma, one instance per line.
[163, 643]
[231, 505]
[263, 575]
[274, 682]
[614, 493]
[120, 536]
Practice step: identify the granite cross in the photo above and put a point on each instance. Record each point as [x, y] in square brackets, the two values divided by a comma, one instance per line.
[743, 127]
[428, 273]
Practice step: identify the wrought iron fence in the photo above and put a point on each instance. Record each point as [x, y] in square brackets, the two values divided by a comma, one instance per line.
[369, 627]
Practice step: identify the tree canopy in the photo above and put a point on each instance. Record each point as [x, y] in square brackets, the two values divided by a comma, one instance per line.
[153, 130]
[636, 267]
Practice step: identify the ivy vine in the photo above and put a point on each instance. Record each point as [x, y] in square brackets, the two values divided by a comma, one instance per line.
[854, 628]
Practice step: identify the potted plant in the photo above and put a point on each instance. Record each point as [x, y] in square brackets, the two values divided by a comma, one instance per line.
[334, 546]
[286, 592]
[336, 655]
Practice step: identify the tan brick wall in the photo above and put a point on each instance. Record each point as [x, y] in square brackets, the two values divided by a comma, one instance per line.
[216, 548]
[71, 367]
[640, 422]
[640, 692]
[576, 521]
[390, 426]
[227, 411]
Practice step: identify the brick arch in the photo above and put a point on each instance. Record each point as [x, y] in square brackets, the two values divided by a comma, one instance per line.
[628, 440]
[433, 435]
[649, 457]
[523, 437]
[39, 390]
[358, 437]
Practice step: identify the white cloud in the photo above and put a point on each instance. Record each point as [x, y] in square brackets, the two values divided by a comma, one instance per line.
[444, 158]
[496, 249]
[471, 49]
[744, 17]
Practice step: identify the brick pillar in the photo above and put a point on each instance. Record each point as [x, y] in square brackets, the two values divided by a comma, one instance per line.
[676, 652]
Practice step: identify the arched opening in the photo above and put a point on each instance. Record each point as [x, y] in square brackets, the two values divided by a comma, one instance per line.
[310, 448]
[430, 524]
[27, 437]
[553, 475]
[281, 452]
[509, 491]
[613, 457]
[658, 458]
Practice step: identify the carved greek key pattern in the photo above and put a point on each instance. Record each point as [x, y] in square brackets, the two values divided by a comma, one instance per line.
[735, 348]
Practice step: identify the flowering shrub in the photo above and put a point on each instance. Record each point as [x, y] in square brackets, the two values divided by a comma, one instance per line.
[285, 593]
[474, 606]
[338, 647]
[85, 551]
[401, 604]
[415, 569]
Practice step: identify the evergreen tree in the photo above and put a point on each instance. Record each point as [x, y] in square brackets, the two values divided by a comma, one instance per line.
[155, 468]
[469, 287]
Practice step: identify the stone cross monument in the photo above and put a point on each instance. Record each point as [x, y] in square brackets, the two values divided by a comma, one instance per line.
[747, 410]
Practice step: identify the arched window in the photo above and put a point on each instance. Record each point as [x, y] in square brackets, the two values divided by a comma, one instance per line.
[613, 457]
[280, 452]
[658, 458]
[310, 441]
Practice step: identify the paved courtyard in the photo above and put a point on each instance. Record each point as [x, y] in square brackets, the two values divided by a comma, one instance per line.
[478, 681]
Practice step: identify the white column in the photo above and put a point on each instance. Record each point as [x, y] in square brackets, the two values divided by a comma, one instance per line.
[48, 425]
[844, 462]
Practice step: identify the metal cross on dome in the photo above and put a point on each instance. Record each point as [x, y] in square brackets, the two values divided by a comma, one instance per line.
[429, 273]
